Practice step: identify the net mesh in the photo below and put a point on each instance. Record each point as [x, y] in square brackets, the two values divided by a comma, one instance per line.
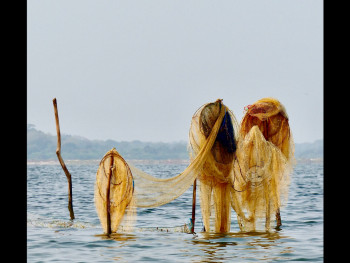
[245, 167]
[216, 176]
[151, 191]
[265, 157]
[114, 191]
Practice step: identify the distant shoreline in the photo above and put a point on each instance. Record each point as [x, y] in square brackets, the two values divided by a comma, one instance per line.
[135, 161]
[309, 160]
[41, 148]
[94, 161]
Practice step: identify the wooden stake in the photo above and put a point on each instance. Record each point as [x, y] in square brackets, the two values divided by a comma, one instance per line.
[278, 218]
[109, 228]
[58, 153]
[194, 205]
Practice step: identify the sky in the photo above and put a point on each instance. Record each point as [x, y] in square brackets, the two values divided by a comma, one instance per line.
[138, 70]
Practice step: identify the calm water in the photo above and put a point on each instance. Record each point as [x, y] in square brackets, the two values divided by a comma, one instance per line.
[52, 237]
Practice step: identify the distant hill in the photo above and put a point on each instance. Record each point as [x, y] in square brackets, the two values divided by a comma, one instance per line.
[42, 146]
[309, 150]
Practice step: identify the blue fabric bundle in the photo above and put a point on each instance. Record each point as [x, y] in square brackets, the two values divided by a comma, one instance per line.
[226, 135]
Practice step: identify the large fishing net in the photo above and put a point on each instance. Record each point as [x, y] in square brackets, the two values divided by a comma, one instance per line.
[246, 168]
[215, 179]
[149, 191]
[265, 157]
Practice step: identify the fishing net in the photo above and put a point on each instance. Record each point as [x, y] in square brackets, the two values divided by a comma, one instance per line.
[215, 178]
[272, 119]
[265, 156]
[114, 189]
[149, 191]
[245, 168]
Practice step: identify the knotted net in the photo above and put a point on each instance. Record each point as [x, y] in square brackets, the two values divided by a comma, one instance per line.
[114, 189]
[246, 168]
[265, 157]
[151, 191]
[215, 179]
[148, 191]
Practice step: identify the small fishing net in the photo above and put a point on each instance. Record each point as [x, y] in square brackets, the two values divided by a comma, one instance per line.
[114, 189]
[265, 156]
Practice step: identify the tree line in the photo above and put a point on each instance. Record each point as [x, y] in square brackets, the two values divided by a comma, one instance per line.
[42, 146]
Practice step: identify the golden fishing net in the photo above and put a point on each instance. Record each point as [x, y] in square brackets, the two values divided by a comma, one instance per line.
[149, 191]
[215, 179]
[114, 192]
[265, 156]
[246, 170]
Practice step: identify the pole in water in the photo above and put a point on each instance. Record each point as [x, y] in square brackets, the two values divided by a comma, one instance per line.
[58, 153]
[194, 205]
[278, 218]
[109, 228]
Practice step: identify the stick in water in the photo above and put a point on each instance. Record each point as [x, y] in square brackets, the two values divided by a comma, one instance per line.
[58, 153]
[194, 205]
[109, 228]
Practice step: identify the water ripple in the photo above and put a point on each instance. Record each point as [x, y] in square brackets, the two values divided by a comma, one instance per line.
[158, 234]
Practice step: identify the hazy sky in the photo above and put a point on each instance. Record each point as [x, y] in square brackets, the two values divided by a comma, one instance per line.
[138, 70]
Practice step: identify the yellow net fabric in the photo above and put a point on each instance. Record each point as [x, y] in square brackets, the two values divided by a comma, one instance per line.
[245, 167]
[215, 178]
[114, 191]
[265, 156]
[151, 191]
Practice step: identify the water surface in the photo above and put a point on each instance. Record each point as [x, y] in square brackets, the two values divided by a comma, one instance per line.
[53, 237]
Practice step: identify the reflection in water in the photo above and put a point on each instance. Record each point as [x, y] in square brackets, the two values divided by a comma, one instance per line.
[248, 245]
[117, 237]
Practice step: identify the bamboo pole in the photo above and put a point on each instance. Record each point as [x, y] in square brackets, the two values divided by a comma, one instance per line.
[194, 205]
[108, 203]
[278, 218]
[58, 153]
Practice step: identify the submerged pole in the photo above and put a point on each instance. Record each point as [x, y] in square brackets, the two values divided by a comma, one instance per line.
[58, 153]
[194, 205]
[108, 203]
[278, 218]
